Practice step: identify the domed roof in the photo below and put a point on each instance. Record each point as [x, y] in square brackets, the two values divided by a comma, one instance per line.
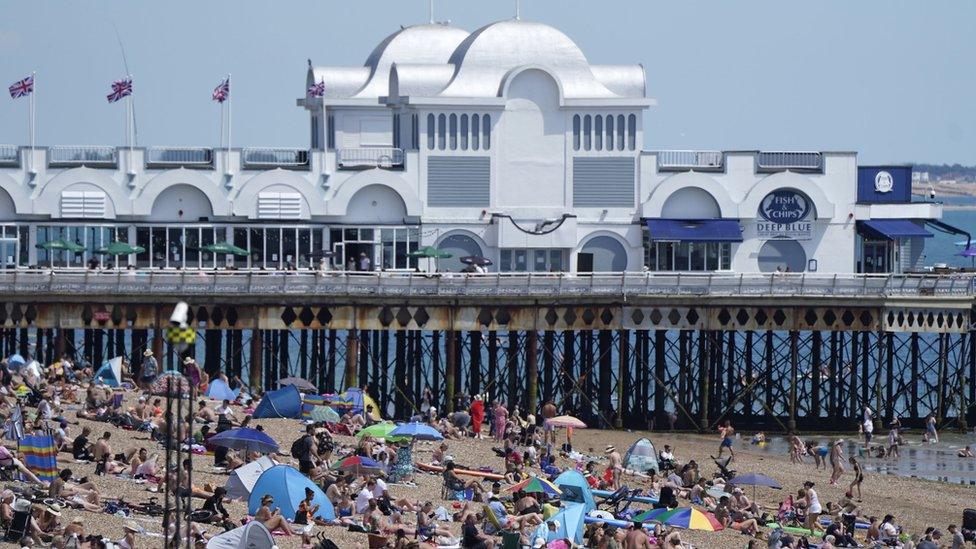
[486, 58]
[515, 43]
[415, 45]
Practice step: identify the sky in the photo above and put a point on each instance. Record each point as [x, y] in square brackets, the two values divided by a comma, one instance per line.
[891, 79]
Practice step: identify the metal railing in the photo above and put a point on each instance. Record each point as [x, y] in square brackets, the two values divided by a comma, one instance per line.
[256, 158]
[690, 160]
[185, 157]
[9, 155]
[498, 285]
[68, 156]
[382, 157]
[785, 160]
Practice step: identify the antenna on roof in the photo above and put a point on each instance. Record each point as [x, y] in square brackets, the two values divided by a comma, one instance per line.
[518, 10]
[430, 10]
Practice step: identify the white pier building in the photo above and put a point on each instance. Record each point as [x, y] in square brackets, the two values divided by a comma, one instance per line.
[504, 142]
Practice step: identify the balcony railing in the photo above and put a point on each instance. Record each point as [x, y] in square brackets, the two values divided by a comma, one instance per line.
[501, 285]
[675, 161]
[9, 156]
[70, 156]
[261, 158]
[179, 157]
[784, 160]
[380, 157]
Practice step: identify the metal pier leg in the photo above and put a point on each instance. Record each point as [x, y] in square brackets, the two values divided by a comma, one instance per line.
[435, 362]
[569, 376]
[748, 381]
[351, 378]
[492, 388]
[399, 373]
[605, 358]
[255, 368]
[474, 376]
[794, 359]
[531, 372]
[548, 365]
[364, 356]
[511, 363]
[418, 371]
[624, 387]
[816, 347]
[303, 353]
[450, 368]
[768, 410]
[704, 371]
[330, 374]
[660, 373]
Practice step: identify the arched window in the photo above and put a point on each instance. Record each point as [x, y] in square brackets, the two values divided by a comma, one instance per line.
[576, 132]
[464, 132]
[609, 132]
[475, 135]
[441, 131]
[598, 133]
[632, 132]
[486, 131]
[587, 132]
[454, 130]
[430, 132]
[620, 132]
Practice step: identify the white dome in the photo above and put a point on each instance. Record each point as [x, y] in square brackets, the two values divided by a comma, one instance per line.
[486, 58]
[417, 45]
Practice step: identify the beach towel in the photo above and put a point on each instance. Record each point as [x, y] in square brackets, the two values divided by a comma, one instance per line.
[40, 456]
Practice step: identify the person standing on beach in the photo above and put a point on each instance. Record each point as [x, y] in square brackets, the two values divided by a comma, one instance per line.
[813, 507]
[477, 416]
[549, 431]
[867, 427]
[858, 477]
[636, 537]
[616, 467]
[726, 432]
[501, 417]
[836, 461]
[931, 434]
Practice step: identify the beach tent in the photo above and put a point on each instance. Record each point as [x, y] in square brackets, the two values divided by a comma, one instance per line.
[287, 486]
[243, 478]
[284, 402]
[356, 400]
[570, 519]
[575, 489]
[252, 535]
[219, 390]
[110, 373]
[641, 457]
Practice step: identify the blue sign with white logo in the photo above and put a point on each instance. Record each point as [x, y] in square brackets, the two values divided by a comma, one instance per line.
[783, 214]
[785, 206]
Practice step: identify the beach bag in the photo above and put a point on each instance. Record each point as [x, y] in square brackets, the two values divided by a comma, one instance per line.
[298, 448]
[969, 519]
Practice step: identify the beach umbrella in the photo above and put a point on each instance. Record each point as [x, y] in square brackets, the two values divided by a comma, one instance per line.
[245, 438]
[224, 248]
[682, 517]
[379, 430]
[476, 260]
[171, 382]
[120, 248]
[321, 414]
[416, 431]
[298, 383]
[357, 464]
[755, 479]
[16, 361]
[566, 421]
[61, 244]
[535, 485]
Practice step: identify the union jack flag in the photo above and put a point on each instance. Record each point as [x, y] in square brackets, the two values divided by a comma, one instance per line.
[22, 88]
[222, 92]
[120, 88]
[317, 90]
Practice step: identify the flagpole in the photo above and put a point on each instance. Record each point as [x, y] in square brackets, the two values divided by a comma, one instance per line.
[132, 124]
[30, 122]
[230, 117]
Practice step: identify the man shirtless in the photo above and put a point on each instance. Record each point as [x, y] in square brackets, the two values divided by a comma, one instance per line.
[616, 465]
[206, 415]
[636, 538]
[549, 412]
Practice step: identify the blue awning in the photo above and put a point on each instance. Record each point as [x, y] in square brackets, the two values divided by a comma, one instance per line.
[697, 230]
[891, 229]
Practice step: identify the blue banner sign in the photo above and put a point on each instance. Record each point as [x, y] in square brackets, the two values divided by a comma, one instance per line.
[784, 213]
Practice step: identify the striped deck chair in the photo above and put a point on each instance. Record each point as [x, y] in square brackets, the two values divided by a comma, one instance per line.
[40, 456]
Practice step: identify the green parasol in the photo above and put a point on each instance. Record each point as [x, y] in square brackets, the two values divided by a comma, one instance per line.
[380, 430]
[120, 248]
[61, 244]
[224, 248]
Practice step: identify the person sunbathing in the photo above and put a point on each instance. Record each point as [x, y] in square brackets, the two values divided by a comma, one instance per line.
[204, 414]
[83, 496]
[426, 527]
[272, 520]
[7, 459]
[454, 482]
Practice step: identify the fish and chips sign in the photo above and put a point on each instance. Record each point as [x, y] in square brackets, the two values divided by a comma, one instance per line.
[785, 213]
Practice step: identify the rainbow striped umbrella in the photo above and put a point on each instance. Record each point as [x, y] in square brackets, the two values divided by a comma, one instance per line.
[535, 485]
[682, 517]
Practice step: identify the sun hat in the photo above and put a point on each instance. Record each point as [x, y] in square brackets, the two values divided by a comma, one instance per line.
[21, 505]
[609, 449]
[539, 542]
[147, 352]
[53, 508]
[188, 360]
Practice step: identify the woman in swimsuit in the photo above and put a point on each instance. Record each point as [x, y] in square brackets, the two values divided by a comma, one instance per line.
[858, 477]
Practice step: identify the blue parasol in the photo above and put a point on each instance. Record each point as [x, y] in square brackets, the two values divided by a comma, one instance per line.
[416, 431]
[245, 438]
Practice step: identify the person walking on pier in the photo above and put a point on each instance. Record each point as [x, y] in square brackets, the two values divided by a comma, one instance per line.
[726, 432]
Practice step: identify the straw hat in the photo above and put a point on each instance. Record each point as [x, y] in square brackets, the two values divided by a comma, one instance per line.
[188, 360]
[53, 508]
[147, 352]
[609, 449]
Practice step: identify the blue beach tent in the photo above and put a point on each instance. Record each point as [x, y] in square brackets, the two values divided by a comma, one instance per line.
[219, 390]
[287, 486]
[110, 373]
[284, 402]
[575, 489]
[571, 520]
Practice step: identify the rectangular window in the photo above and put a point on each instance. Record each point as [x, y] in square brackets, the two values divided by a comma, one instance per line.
[454, 132]
[587, 132]
[475, 137]
[598, 133]
[430, 132]
[464, 132]
[331, 131]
